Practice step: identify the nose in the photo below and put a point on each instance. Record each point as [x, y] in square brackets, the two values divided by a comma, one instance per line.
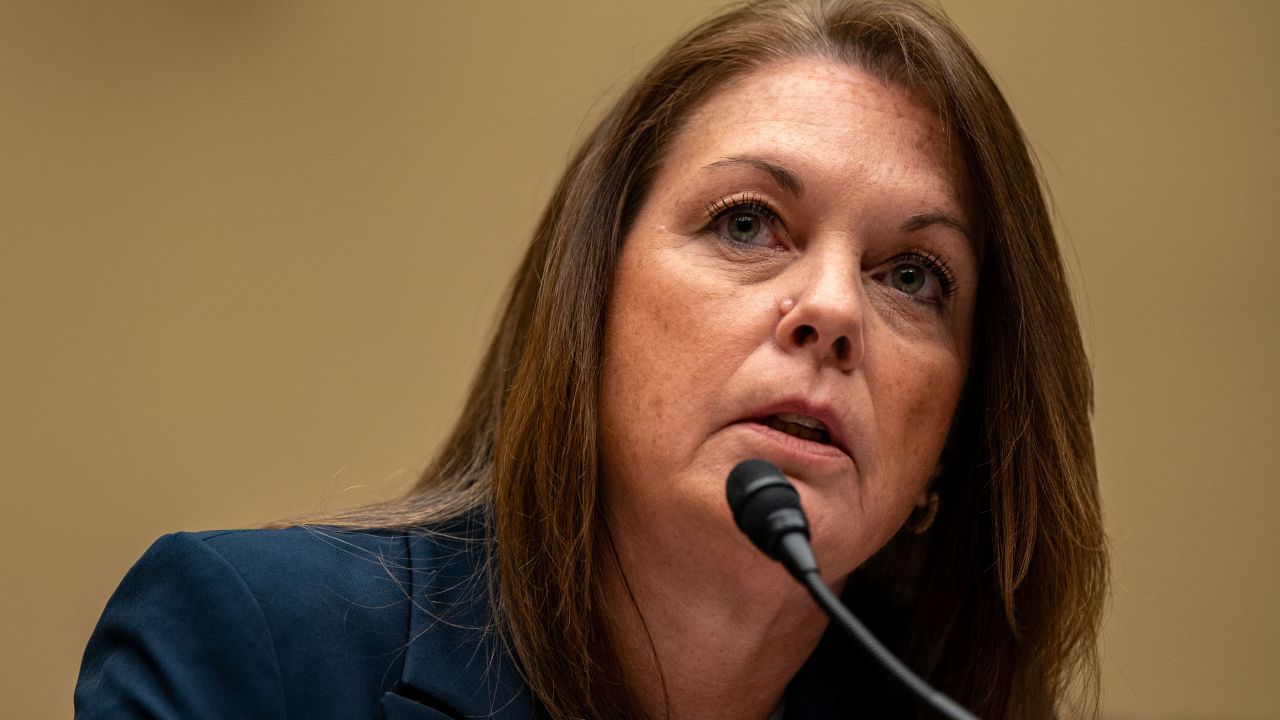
[825, 317]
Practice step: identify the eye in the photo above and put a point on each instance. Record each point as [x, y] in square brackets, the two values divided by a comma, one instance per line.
[923, 276]
[908, 277]
[747, 221]
[744, 228]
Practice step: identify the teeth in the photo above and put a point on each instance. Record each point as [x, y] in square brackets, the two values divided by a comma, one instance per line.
[805, 428]
[804, 420]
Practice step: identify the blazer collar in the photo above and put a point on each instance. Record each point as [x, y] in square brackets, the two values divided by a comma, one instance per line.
[455, 663]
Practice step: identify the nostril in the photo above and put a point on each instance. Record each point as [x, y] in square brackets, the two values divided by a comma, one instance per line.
[842, 347]
[803, 334]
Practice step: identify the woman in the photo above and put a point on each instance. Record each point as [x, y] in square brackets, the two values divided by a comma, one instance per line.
[811, 233]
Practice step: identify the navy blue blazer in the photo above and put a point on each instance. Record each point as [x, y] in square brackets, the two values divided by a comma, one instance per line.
[324, 623]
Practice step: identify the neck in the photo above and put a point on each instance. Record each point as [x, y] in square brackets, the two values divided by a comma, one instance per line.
[706, 637]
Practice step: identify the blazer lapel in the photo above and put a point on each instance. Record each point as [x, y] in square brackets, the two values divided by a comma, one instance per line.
[455, 664]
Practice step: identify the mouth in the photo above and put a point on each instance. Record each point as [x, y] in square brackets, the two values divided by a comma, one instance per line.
[800, 426]
[807, 422]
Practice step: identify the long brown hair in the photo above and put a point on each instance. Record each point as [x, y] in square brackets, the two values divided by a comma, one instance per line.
[1002, 597]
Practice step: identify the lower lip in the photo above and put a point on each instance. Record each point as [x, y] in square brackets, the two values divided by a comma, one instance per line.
[798, 448]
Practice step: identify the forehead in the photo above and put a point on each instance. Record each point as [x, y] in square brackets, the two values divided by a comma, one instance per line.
[830, 121]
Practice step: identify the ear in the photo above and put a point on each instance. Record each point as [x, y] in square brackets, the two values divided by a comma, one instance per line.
[922, 499]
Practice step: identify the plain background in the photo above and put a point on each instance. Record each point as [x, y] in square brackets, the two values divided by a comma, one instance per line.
[251, 251]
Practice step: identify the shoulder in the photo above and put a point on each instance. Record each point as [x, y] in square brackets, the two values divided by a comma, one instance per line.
[300, 568]
[256, 623]
[345, 587]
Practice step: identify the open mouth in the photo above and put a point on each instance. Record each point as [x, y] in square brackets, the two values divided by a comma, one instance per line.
[801, 426]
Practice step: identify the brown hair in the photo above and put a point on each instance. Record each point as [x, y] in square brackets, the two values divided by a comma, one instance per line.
[1002, 597]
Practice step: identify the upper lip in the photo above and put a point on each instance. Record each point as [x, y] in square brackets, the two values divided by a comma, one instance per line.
[824, 414]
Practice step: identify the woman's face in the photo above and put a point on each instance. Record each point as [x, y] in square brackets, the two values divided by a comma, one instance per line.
[798, 286]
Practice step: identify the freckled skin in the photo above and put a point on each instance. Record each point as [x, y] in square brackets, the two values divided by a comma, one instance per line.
[692, 336]
[696, 338]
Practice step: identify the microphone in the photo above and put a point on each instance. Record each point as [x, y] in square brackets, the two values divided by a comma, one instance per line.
[766, 507]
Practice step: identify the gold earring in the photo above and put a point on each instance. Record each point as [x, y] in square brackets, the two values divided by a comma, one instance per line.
[921, 526]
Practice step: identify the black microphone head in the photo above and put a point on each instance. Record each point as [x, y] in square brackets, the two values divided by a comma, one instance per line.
[765, 505]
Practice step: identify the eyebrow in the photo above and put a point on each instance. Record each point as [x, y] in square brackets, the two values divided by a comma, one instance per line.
[785, 178]
[791, 182]
[919, 221]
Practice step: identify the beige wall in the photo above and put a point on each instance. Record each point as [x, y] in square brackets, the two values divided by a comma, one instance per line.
[250, 251]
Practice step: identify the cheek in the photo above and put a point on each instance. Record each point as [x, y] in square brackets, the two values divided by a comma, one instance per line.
[928, 409]
[914, 391]
[651, 335]
[677, 333]
[671, 327]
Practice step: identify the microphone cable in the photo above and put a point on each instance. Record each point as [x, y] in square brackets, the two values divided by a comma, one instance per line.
[766, 507]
